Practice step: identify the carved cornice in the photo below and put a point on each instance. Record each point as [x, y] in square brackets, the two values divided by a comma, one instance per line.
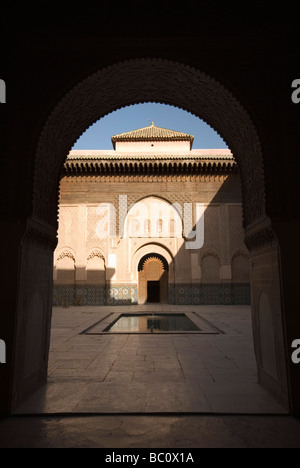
[148, 167]
[260, 234]
[110, 155]
[40, 234]
[108, 178]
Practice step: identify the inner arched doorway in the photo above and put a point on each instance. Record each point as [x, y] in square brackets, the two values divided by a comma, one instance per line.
[153, 279]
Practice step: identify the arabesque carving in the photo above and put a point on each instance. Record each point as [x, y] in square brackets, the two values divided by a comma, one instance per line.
[96, 253]
[240, 252]
[66, 253]
[210, 252]
[150, 260]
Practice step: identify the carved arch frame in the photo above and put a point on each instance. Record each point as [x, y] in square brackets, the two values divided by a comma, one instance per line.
[240, 252]
[210, 252]
[123, 84]
[96, 252]
[66, 252]
[147, 80]
[154, 249]
[173, 209]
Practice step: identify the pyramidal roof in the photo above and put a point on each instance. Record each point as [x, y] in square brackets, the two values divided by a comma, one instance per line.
[152, 133]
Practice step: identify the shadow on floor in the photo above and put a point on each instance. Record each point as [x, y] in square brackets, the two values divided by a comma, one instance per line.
[152, 373]
[151, 432]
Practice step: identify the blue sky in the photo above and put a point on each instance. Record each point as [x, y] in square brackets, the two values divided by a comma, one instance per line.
[141, 115]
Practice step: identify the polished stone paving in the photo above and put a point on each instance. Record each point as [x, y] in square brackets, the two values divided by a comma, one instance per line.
[152, 373]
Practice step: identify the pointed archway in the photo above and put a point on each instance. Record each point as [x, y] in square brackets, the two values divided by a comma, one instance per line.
[126, 83]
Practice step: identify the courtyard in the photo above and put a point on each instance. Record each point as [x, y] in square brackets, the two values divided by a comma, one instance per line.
[94, 372]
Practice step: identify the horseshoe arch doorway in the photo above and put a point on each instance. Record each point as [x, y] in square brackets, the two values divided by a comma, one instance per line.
[153, 273]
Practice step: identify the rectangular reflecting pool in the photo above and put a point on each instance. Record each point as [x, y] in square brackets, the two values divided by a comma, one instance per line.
[151, 323]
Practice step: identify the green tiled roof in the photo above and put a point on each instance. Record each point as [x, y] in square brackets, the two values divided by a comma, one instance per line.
[152, 133]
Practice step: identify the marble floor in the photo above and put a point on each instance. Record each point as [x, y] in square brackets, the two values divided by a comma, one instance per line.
[212, 372]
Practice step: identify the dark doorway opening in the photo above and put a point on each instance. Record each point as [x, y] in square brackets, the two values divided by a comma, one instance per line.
[153, 291]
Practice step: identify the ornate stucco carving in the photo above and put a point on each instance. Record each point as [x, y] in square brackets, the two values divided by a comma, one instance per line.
[66, 253]
[260, 234]
[210, 252]
[96, 253]
[40, 234]
[240, 252]
[153, 260]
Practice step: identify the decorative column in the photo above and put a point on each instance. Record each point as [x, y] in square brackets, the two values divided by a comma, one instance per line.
[80, 245]
[34, 309]
[195, 268]
[225, 268]
[267, 316]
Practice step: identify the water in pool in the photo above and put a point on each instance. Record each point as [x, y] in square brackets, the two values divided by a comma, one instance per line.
[151, 323]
